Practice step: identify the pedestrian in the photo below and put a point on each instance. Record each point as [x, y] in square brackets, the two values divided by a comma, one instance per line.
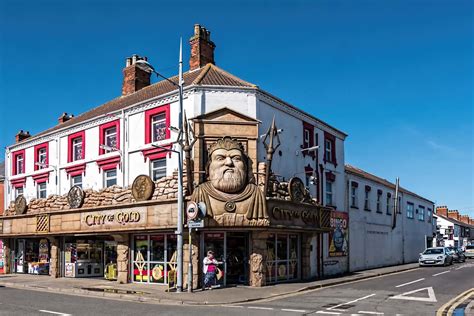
[210, 270]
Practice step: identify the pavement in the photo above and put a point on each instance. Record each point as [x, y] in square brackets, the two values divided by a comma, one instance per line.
[153, 293]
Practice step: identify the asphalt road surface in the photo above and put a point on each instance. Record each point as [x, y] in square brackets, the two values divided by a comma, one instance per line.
[417, 292]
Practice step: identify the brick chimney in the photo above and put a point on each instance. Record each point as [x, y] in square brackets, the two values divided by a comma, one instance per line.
[202, 48]
[134, 77]
[442, 210]
[65, 117]
[21, 135]
[464, 219]
[453, 214]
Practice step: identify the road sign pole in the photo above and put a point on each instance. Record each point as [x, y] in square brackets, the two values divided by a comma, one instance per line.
[190, 264]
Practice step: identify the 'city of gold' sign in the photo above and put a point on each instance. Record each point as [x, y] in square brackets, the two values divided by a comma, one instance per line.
[114, 219]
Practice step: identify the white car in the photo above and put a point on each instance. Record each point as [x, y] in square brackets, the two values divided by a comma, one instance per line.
[438, 256]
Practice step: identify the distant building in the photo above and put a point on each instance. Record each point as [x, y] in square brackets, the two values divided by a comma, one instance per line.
[455, 230]
[378, 235]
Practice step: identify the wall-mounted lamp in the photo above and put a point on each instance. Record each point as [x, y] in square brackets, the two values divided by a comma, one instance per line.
[297, 153]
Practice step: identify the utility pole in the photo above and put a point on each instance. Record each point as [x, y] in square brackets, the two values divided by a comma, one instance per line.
[179, 231]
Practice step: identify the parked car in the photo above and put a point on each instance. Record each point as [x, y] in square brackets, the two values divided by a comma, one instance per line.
[437, 256]
[469, 253]
[458, 254]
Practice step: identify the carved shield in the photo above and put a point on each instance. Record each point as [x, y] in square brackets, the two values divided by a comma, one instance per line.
[75, 197]
[20, 205]
[296, 190]
[143, 188]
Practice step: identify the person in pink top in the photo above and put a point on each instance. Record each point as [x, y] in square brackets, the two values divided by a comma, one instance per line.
[209, 269]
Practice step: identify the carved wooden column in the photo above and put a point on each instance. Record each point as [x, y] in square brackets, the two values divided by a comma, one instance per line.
[123, 250]
[54, 257]
[257, 259]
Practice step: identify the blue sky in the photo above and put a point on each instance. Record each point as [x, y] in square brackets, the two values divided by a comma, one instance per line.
[397, 76]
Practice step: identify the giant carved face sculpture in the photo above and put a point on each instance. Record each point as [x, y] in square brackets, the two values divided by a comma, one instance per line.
[228, 170]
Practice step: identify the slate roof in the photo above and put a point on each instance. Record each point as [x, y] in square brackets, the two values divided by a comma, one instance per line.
[369, 176]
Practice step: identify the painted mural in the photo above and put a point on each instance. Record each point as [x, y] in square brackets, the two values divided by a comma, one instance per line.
[339, 236]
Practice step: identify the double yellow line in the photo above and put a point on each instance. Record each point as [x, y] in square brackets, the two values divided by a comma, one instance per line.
[448, 308]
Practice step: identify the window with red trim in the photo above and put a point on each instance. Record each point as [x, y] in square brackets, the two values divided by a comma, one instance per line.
[18, 161]
[157, 123]
[109, 136]
[41, 156]
[76, 146]
[308, 135]
[329, 148]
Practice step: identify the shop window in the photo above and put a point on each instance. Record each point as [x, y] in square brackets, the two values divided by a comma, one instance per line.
[157, 123]
[158, 169]
[329, 193]
[110, 178]
[388, 203]
[76, 148]
[354, 187]
[18, 162]
[421, 213]
[379, 201]
[109, 136]
[154, 258]
[281, 257]
[329, 148]
[76, 181]
[83, 258]
[41, 156]
[41, 190]
[410, 210]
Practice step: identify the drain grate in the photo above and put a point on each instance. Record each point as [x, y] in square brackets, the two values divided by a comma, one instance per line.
[115, 291]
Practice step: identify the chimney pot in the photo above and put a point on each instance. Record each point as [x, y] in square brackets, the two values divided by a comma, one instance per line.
[21, 135]
[134, 77]
[202, 48]
[65, 117]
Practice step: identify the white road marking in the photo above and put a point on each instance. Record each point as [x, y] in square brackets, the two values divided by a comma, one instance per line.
[342, 304]
[257, 307]
[329, 313]
[293, 310]
[441, 273]
[370, 313]
[405, 296]
[410, 282]
[55, 313]
[233, 306]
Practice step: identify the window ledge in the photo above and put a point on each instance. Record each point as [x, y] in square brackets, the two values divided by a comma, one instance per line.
[367, 209]
[355, 207]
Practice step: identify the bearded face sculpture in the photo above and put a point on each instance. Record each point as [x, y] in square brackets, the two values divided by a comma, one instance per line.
[230, 187]
[228, 170]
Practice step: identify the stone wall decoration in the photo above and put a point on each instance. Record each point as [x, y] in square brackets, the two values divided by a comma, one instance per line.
[296, 189]
[231, 189]
[143, 188]
[75, 197]
[20, 205]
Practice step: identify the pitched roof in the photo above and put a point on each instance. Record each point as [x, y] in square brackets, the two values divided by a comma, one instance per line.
[208, 75]
[455, 221]
[369, 176]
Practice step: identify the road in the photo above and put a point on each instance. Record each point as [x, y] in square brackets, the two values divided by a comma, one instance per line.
[416, 292]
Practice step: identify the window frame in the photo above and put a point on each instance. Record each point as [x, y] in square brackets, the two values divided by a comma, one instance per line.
[37, 149]
[107, 178]
[71, 139]
[102, 135]
[16, 189]
[353, 194]
[330, 193]
[367, 198]
[73, 182]
[388, 210]
[15, 155]
[159, 168]
[410, 212]
[39, 190]
[331, 153]
[379, 201]
[421, 213]
[149, 114]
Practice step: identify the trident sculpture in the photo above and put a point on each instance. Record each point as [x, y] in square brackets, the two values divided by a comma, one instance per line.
[270, 147]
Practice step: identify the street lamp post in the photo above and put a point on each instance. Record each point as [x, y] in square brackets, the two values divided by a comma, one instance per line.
[179, 225]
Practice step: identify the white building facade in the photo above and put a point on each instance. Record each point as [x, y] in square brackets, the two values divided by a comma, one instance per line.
[379, 236]
[114, 143]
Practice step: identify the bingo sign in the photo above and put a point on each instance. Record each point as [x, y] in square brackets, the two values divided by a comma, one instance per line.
[338, 237]
[1, 258]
